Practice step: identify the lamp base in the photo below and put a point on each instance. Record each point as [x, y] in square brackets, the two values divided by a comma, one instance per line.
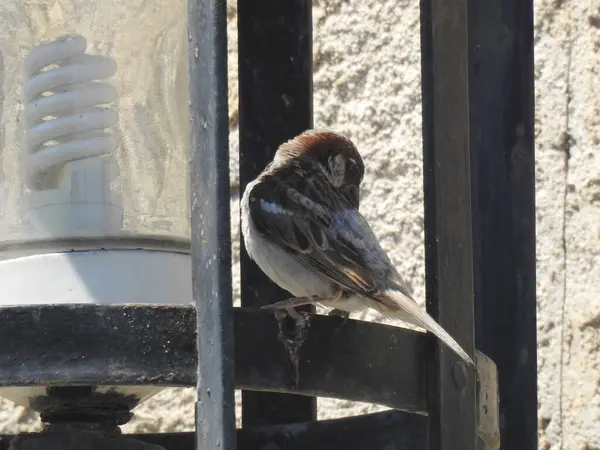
[106, 277]
[83, 418]
[99, 276]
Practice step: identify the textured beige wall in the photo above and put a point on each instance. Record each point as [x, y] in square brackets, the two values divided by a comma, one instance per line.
[366, 84]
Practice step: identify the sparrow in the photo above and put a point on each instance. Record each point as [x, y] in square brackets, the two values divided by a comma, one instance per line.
[302, 227]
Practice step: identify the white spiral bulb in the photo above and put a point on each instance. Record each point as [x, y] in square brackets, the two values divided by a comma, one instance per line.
[62, 117]
[68, 151]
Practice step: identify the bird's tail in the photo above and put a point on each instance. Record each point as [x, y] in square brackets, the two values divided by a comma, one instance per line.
[400, 305]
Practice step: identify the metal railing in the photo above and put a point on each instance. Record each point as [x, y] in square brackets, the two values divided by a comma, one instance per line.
[477, 88]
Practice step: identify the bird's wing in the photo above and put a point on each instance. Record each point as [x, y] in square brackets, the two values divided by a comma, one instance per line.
[320, 225]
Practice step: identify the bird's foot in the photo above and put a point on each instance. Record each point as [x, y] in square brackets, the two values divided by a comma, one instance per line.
[300, 317]
[287, 308]
[292, 303]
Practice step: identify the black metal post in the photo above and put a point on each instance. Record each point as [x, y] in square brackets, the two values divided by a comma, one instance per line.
[448, 238]
[502, 130]
[210, 221]
[275, 88]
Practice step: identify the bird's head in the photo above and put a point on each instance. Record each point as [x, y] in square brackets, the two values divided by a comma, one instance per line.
[336, 156]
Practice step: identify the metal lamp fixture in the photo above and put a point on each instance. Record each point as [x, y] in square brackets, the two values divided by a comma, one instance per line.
[94, 149]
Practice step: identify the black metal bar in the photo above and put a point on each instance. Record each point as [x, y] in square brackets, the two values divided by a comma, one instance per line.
[336, 361]
[502, 128]
[390, 430]
[447, 184]
[155, 346]
[210, 221]
[275, 102]
[46, 345]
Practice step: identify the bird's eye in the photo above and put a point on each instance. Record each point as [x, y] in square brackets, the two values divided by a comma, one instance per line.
[353, 171]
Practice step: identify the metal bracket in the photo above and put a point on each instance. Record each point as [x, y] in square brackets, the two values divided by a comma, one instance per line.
[488, 424]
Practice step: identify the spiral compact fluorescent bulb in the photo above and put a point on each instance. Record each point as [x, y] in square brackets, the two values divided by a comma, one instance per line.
[68, 161]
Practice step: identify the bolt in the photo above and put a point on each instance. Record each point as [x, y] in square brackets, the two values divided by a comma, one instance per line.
[459, 374]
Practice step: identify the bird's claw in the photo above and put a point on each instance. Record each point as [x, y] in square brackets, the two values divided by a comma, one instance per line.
[299, 317]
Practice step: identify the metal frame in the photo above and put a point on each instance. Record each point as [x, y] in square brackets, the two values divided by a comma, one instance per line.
[140, 345]
[131, 345]
[478, 160]
[210, 218]
[275, 104]
[502, 132]
[478, 124]
[448, 240]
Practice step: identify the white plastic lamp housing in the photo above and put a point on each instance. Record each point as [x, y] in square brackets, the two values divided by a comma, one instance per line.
[93, 155]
